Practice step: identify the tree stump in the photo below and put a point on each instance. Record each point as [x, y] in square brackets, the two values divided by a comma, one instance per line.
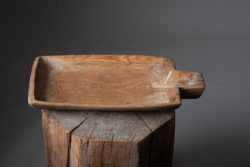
[108, 139]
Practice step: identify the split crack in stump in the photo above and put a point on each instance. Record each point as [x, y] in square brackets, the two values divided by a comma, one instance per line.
[70, 136]
[151, 137]
[146, 124]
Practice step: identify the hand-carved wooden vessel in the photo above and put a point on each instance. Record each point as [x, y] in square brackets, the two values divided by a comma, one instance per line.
[110, 82]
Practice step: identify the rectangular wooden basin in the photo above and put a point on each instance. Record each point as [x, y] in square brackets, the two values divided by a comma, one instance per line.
[109, 82]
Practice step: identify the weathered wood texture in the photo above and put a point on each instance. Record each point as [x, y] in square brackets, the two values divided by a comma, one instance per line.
[110, 82]
[108, 139]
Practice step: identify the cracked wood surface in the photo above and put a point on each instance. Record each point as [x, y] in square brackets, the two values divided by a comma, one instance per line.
[108, 139]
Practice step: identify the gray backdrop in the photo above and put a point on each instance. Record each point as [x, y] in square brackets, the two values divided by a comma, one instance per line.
[211, 36]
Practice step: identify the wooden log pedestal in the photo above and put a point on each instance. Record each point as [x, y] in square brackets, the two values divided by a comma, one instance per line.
[108, 138]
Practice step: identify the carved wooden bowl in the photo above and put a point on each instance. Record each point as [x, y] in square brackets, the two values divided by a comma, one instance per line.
[110, 82]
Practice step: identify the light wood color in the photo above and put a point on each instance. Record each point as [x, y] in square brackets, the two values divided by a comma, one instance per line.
[110, 82]
[108, 138]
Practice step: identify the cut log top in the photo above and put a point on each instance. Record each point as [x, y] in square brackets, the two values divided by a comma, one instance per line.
[100, 125]
[110, 82]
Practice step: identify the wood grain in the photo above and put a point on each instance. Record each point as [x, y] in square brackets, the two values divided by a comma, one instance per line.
[110, 82]
[108, 139]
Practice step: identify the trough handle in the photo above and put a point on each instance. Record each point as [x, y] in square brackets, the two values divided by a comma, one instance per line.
[190, 84]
